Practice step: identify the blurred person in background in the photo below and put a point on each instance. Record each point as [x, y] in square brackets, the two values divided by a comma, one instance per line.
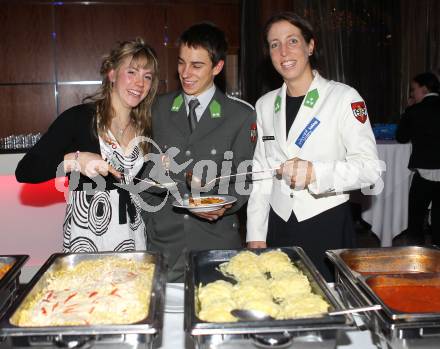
[420, 125]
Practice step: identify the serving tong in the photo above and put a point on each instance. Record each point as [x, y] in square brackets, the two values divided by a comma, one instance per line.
[194, 181]
[148, 180]
[191, 180]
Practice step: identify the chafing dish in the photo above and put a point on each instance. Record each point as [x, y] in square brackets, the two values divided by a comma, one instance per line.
[360, 271]
[137, 335]
[10, 281]
[202, 267]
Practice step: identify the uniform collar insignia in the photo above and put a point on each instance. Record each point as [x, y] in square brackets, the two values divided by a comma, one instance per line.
[311, 98]
[215, 109]
[177, 103]
[277, 105]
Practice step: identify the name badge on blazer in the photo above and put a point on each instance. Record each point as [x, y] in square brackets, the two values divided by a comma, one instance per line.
[312, 125]
[268, 138]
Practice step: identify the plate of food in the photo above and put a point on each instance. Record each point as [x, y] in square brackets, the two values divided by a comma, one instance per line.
[205, 203]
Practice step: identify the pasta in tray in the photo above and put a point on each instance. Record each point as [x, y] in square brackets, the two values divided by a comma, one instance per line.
[289, 285]
[306, 306]
[275, 262]
[268, 282]
[243, 266]
[109, 290]
[215, 300]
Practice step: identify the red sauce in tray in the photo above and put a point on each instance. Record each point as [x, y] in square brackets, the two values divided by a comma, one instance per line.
[410, 298]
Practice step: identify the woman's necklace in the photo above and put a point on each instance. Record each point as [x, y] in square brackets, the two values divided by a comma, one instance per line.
[121, 131]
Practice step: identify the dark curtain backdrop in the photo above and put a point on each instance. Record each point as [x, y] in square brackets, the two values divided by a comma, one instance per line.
[250, 56]
[420, 31]
[376, 46]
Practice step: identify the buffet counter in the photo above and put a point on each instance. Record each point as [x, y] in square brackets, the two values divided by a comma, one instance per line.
[174, 336]
[174, 318]
[171, 306]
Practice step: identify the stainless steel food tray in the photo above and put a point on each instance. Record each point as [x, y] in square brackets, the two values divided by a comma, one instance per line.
[144, 331]
[391, 329]
[10, 281]
[387, 260]
[359, 266]
[202, 268]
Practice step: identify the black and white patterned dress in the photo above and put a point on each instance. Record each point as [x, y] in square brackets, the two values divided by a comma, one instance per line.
[92, 222]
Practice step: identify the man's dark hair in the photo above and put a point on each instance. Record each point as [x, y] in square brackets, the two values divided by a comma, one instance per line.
[208, 36]
[429, 80]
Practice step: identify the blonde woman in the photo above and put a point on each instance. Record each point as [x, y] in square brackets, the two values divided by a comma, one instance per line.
[95, 140]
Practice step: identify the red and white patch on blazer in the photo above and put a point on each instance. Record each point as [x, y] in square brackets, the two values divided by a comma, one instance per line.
[360, 111]
[253, 132]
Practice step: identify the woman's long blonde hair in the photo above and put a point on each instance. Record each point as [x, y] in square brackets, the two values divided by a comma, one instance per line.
[143, 56]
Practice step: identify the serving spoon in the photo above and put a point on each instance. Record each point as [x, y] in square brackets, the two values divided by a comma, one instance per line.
[256, 315]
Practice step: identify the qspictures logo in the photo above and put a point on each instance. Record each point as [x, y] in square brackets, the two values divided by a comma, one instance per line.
[164, 174]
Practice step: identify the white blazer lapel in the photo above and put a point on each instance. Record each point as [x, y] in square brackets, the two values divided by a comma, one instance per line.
[279, 118]
[306, 113]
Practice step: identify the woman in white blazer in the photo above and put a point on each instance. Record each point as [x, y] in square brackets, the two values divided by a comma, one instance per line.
[317, 133]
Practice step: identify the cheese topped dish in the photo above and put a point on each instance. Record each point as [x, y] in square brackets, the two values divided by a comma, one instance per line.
[242, 266]
[109, 290]
[268, 282]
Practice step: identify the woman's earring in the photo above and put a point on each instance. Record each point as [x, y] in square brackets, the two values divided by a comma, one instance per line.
[310, 53]
[112, 83]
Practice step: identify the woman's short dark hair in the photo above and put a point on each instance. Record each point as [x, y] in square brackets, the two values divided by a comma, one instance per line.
[208, 36]
[429, 80]
[303, 25]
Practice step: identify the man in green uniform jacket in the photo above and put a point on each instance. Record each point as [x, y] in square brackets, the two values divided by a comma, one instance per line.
[212, 136]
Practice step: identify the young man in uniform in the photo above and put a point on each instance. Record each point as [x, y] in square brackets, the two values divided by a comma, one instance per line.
[199, 127]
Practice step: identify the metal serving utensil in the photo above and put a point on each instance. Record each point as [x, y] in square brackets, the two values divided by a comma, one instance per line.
[127, 179]
[194, 181]
[355, 310]
[256, 315]
[157, 183]
[150, 181]
[250, 315]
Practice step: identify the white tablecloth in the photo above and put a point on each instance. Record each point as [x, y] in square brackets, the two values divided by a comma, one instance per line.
[387, 213]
